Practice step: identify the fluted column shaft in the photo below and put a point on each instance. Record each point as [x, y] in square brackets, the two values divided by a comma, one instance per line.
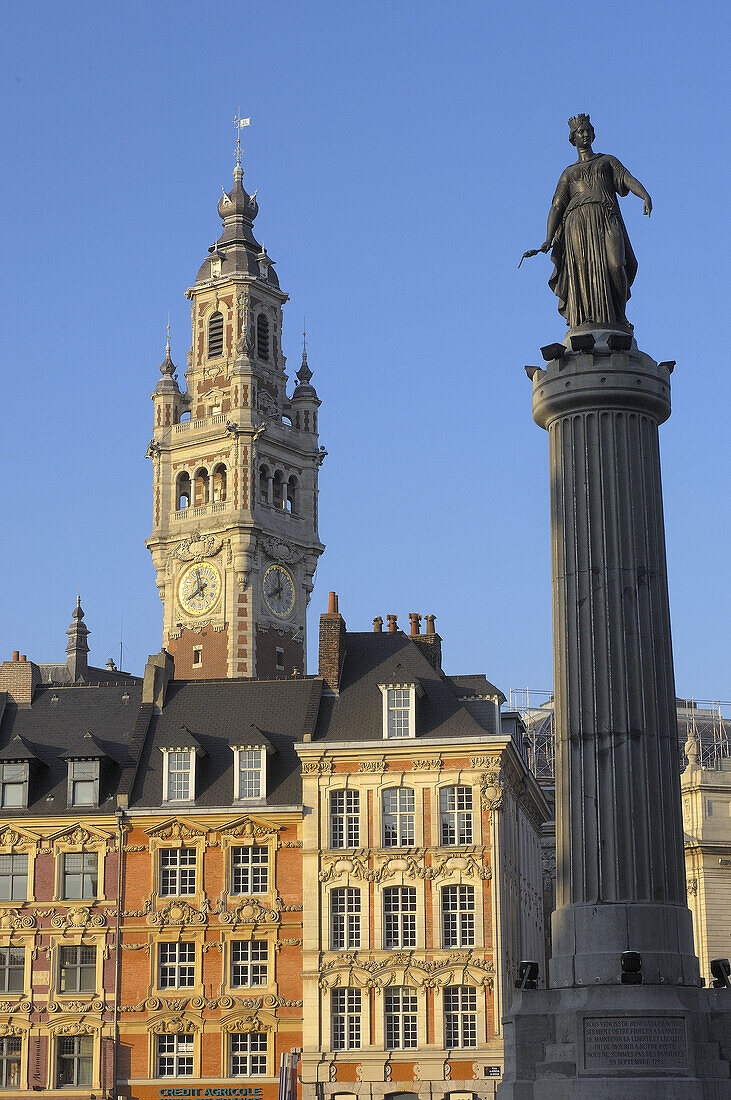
[619, 838]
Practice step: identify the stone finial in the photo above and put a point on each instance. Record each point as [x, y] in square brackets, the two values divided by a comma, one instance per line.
[692, 749]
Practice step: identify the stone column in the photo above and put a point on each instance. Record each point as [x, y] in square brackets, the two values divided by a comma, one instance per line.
[619, 836]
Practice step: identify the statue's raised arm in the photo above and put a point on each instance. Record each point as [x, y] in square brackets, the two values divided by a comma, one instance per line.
[594, 265]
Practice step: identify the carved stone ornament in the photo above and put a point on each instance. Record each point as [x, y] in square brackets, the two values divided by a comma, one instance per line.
[197, 547]
[486, 763]
[410, 865]
[9, 1029]
[23, 1007]
[492, 790]
[250, 912]
[693, 886]
[265, 403]
[427, 763]
[279, 550]
[323, 766]
[75, 1028]
[249, 827]
[372, 765]
[9, 838]
[175, 830]
[14, 918]
[96, 1005]
[174, 1025]
[404, 968]
[177, 913]
[78, 918]
[248, 1023]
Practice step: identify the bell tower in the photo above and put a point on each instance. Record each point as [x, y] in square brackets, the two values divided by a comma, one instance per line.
[235, 470]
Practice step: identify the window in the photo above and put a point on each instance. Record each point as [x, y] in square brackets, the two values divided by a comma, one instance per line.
[215, 335]
[73, 1062]
[460, 1016]
[262, 337]
[12, 969]
[77, 972]
[175, 1055]
[83, 783]
[177, 872]
[14, 786]
[249, 962]
[197, 654]
[344, 819]
[10, 1063]
[251, 773]
[399, 916]
[264, 484]
[250, 868]
[201, 487]
[344, 918]
[80, 874]
[398, 703]
[455, 805]
[400, 1018]
[249, 1054]
[219, 480]
[458, 916]
[345, 1013]
[398, 818]
[290, 495]
[177, 965]
[280, 659]
[182, 490]
[179, 775]
[13, 878]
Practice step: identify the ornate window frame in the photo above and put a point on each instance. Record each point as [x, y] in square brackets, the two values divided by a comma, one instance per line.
[248, 831]
[481, 1014]
[79, 840]
[456, 779]
[177, 935]
[415, 691]
[175, 834]
[238, 1022]
[15, 841]
[64, 1027]
[171, 1023]
[80, 938]
[400, 784]
[17, 1028]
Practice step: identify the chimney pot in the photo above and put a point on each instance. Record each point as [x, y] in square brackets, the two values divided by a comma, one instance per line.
[430, 624]
[392, 623]
[378, 625]
[16, 654]
[332, 606]
[23, 657]
[415, 620]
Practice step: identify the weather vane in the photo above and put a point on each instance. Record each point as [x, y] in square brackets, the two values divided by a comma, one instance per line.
[239, 124]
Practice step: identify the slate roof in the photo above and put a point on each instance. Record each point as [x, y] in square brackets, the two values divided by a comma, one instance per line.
[55, 723]
[356, 713]
[216, 710]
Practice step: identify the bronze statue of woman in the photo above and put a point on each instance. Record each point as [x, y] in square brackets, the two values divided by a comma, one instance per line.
[594, 265]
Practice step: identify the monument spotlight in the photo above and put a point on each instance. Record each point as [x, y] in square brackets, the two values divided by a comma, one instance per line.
[527, 975]
[631, 962]
[720, 969]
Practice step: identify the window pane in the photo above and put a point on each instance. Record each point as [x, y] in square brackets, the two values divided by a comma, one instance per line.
[250, 870]
[13, 794]
[83, 792]
[179, 766]
[250, 773]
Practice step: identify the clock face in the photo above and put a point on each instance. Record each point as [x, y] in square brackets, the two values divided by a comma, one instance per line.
[278, 588]
[199, 588]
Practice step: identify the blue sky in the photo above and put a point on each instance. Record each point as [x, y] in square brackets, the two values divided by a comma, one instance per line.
[405, 156]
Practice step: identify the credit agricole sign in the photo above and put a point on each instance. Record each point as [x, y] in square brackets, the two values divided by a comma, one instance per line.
[213, 1090]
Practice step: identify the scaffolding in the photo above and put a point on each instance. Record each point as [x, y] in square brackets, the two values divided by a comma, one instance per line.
[708, 721]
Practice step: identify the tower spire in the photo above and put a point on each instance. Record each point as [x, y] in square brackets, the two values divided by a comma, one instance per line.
[78, 646]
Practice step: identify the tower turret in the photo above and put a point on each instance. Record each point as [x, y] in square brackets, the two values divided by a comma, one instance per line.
[236, 461]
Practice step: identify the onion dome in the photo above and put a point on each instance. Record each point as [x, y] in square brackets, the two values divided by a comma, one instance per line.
[304, 374]
[237, 252]
[167, 383]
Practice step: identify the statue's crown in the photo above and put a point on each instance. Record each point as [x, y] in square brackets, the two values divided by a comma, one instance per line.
[577, 121]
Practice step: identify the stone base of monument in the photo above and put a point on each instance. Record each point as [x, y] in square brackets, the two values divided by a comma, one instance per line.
[621, 1042]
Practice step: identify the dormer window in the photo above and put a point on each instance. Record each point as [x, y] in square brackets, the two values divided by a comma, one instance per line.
[215, 335]
[250, 773]
[179, 757]
[14, 785]
[178, 775]
[399, 709]
[83, 783]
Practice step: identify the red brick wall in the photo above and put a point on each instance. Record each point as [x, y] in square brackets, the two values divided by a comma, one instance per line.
[215, 654]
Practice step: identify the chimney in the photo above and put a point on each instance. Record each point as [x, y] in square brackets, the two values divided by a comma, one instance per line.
[332, 644]
[158, 674]
[19, 678]
[392, 623]
[415, 620]
[430, 643]
[378, 625]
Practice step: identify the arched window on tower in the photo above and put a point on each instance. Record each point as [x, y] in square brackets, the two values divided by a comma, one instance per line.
[182, 492]
[201, 486]
[219, 483]
[262, 337]
[290, 502]
[277, 486]
[264, 484]
[215, 335]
